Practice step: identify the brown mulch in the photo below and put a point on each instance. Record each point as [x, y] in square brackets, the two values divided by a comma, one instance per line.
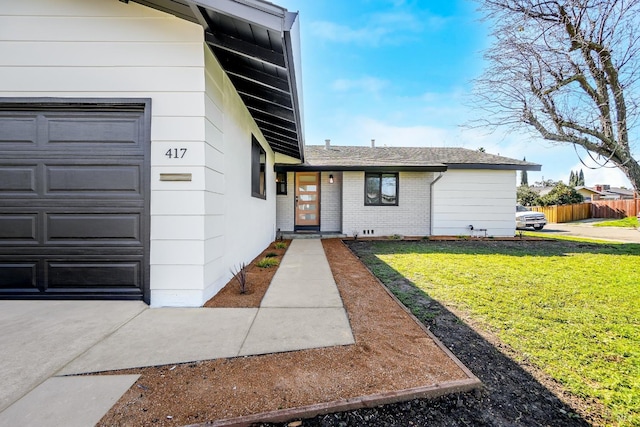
[392, 352]
[258, 280]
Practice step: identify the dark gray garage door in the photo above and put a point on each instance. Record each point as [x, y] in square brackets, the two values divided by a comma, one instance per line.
[74, 191]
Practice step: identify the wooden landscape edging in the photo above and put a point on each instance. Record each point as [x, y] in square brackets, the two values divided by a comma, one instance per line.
[309, 411]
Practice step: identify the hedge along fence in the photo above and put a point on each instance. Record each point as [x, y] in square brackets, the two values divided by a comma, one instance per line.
[596, 209]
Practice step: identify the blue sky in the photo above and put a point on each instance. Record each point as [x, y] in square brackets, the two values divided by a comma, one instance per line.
[400, 72]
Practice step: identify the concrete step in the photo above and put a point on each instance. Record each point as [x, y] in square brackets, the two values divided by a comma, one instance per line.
[311, 235]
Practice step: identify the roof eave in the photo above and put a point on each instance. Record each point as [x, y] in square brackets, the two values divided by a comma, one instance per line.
[274, 19]
[493, 166]
[340, 168]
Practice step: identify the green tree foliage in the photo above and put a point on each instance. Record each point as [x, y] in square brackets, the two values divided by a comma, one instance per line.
[576, 178]
[561, 194]
[526, 196]
[524, 179]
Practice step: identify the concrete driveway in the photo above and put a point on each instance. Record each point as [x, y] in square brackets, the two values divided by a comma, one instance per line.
[38, 338]
[45, 344]
[586, 229]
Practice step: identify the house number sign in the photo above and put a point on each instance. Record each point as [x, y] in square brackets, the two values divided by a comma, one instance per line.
[176, 153]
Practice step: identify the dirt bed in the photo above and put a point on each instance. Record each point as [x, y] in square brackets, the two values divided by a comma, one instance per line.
[513, 394]
[392, 353]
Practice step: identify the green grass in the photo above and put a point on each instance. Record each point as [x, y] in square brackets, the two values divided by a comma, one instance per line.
[267, 262]
[570, 308]
[628, 222]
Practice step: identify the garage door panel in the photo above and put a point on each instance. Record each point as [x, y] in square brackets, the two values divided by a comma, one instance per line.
[79, 229]
[104, 180]
[95, 131]
[19, 275]
[18, 179]
[18, 228]
[18, 132]
[65, 274]
[74, 208]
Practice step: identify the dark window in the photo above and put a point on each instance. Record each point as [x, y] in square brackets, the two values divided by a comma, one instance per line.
[381, 189]
[258, 170]
[281, 183]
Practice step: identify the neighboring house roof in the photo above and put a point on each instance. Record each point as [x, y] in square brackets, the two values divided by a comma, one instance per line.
[542, 191]
[589, 190]
[320, 157]
[258, 45]
[622, 192]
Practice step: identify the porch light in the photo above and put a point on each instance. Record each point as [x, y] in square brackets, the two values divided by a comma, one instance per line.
[331, 179]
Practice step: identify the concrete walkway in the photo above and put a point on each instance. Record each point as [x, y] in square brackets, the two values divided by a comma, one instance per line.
[43, 341]
[586, 229]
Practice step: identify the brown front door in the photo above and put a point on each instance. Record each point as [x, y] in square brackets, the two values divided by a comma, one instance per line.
[307, 201]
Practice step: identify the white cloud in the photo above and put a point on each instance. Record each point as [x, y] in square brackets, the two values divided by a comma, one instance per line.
[557, 161]
[364, 84]
[343, 34]
[381, 28]
[601, 175]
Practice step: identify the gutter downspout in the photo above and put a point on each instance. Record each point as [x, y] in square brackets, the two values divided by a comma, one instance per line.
[431, 202]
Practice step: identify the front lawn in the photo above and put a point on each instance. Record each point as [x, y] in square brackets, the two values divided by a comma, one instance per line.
[571, 309]
[628, 222]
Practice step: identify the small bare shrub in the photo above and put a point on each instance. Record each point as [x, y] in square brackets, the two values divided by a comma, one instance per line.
[240, 274]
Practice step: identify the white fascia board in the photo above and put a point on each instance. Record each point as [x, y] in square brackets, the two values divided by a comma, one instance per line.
[294, 61]
[267, 15]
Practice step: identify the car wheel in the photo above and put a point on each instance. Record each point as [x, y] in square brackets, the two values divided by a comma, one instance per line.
[538, 227]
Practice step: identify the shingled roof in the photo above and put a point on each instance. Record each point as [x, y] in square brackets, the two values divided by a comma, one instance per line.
[320, 157]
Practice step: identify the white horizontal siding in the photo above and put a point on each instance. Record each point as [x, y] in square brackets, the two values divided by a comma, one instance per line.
[241, 225]
[76, 80]
[109, 49]
[484, 199]
[99, 54]
[98, 28]
[106, 8]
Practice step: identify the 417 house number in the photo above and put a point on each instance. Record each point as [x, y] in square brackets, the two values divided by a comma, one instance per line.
[176, 153]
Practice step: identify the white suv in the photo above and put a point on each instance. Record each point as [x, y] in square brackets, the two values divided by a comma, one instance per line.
[526, 218]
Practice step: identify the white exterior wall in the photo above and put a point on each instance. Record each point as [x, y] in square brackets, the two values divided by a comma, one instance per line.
[409, 218]
[331, 202]
[109, 49]
[249, 222]
[482, 198]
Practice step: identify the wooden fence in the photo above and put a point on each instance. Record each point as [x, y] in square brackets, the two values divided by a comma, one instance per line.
[615, 208]
[595, 209]
[565, 213]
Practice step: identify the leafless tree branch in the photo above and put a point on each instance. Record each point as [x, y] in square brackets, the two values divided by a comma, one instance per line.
[567, 69]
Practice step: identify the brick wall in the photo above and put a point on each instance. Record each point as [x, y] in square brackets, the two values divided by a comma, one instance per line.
[285, 205]
[331, 202]
[409, 218]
